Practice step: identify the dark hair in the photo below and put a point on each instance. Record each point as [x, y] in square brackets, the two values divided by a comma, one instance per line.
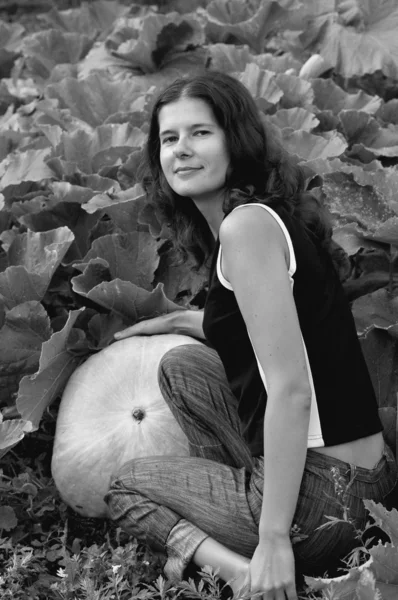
[260, 170]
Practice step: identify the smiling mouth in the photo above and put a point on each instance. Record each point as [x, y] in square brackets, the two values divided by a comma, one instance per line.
[188, 170]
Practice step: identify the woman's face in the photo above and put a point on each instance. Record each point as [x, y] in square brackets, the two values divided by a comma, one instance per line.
[193, 150]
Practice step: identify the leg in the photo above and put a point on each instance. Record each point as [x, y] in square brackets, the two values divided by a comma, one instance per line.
[193, 383]
[232, 567]
[333, 488]
[173, 503]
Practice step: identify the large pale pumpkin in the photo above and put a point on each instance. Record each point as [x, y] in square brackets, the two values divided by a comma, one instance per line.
[112, 411]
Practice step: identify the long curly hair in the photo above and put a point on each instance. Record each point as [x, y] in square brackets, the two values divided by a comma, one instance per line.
[260, 170]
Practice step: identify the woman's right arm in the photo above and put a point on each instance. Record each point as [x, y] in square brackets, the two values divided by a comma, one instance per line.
[183, 322]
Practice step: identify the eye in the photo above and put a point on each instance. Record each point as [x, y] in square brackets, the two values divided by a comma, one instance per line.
[201, 132]
[168, 139]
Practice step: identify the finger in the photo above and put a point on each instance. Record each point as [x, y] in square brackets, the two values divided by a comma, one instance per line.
[280, 594]
[290, 592]
[130, 331]
[121, 335]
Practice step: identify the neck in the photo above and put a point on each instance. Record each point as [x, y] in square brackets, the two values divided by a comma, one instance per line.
[212, 212]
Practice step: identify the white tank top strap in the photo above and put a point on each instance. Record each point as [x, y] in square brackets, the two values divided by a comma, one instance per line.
[292, 257]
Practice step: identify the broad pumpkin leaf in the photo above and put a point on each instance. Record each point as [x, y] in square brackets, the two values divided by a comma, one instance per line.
[131, 256]
[7, 98]
[38, 216]
[351, 238]
[339, 588]
[111, 200]
[300, 18]
[26, 166]
[7, 60]
[381, 355]
[12, 431]
[127, 173]
[8, 518]
[123, 208]
[94, 272]
[10, 141]
[375, 258]
[68, 171]
[364, 174]
[58, 193]
[327, 120]
[52, 120]
[350, 202]
[330, 96]
[125, 215]
[261, 84]
[388, 418]
[67, 192]
[244, 22]
[385, 569]
[181, 283]
[229, 58]
[180, 63]
[361, 128]
[135, 118]
[25, 89]
[387, 520]
[96, 97]
[101, 59]
[102, 329]
[379, 310]
[17, 285]
[106, 146]
[386, 233]
[361, 40]
[276, 63]
[7, 118]
[382, 180]
[75, 149]
[131, 302]
[294, 118]
[33, 259]
[154, 37]
[26, 327]
[388, 112]
[40, 253]
[90, 18]
[37, 391]
[366, 587]
[150, 217]
[11, 36]
[11, 39]
[297, 92]
[51, 47]
[309, 146]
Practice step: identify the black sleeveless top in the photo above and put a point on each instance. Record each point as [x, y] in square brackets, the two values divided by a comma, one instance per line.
[344, 406]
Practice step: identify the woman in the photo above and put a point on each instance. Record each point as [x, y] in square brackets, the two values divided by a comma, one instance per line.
[284, 429]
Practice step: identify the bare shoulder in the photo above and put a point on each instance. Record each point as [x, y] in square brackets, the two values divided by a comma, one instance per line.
[252, 226]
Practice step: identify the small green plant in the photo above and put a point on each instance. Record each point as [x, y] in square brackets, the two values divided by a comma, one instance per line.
[371, 568]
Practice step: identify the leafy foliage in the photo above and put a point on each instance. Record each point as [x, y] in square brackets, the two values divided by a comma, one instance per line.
[376, 576]
[82, 254]
[76, 231]
[356, 37]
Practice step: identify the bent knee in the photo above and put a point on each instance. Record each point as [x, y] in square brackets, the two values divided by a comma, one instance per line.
[187, 358]
[180, 356]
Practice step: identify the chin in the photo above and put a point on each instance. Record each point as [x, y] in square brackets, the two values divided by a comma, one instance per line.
[191, 191]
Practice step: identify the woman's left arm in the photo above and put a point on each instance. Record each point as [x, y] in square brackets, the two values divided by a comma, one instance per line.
[255, 260]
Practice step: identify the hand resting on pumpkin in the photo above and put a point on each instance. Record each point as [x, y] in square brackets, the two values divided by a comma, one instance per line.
[184, 322]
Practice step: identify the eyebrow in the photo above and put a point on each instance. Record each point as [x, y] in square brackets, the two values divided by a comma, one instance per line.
[166, 131]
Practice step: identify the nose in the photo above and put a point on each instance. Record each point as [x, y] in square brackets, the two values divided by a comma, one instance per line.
[182, 147]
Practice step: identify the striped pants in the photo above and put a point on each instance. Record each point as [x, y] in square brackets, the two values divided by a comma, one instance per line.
[173, 503]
